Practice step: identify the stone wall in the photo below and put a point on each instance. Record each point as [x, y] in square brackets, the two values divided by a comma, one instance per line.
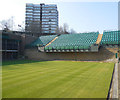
[104, 54]
[25, 40]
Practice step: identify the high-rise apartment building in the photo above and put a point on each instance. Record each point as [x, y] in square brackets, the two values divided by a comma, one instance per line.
[41, 19]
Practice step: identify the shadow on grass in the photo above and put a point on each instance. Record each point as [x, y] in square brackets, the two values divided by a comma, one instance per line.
[13, 62]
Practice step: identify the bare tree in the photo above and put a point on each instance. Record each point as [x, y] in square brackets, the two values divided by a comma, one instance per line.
[57, 30]
[7, 24]
[65, 28]
[21, 27]
[61, 31]
[72, 31]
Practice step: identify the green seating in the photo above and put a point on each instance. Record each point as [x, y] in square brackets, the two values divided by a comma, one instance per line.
[58, 48]
[50, 48]
[62, 47]
[76, 47]
[74, 41]
[67, 47]
[71, 47]
[80, 47]
[110, 37]
[42, 40]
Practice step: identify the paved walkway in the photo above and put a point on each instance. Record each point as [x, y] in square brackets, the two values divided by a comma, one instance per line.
[115, 83]
[119, 81]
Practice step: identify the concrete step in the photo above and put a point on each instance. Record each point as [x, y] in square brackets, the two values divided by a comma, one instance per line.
[99, 38]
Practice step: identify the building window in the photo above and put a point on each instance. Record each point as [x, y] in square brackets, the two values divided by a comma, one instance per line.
[37, 11]
[28, 13]
[36, 14]
[52, 31]
[45, 31]
[45, 19]
[45, 28]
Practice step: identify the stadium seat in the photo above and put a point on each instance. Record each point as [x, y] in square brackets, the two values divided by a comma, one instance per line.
[110, 37]
[74, 41]
[42, 40]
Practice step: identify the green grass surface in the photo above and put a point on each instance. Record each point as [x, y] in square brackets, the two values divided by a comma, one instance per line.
[56, 79]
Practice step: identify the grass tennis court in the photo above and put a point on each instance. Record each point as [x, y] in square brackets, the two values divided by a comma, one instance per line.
[56, 79]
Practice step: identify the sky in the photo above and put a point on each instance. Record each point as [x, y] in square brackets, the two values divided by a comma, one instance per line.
[80, 16]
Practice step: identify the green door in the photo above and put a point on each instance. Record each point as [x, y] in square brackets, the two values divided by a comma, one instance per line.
[116, 55]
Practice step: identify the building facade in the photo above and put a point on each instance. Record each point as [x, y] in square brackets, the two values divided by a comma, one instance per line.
[13, 44]
[41, 19]
[10, 45]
